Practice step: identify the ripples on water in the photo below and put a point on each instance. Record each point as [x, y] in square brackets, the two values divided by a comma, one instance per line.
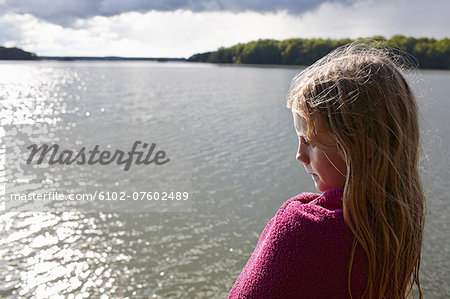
[243, 156]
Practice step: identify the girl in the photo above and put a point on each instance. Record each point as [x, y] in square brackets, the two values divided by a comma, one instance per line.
[357, 124]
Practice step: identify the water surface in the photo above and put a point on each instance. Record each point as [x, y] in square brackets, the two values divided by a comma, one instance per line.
[243, 169]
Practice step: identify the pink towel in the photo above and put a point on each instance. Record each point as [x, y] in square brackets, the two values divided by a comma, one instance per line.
[304, 252]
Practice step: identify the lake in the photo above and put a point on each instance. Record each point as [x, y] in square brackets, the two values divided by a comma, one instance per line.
[237, 162]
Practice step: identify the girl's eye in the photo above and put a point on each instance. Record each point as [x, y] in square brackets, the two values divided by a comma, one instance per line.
[306, 141]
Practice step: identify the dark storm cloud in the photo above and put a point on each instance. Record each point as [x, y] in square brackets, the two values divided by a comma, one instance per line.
[63, 12]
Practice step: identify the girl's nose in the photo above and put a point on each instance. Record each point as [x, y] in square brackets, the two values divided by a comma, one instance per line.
[301, 155]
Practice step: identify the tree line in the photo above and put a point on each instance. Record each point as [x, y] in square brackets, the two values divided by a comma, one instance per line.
[425, 52]
[16, 54]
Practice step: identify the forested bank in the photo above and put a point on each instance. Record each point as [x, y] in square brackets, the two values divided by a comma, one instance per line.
[16, 54]
[429, 53]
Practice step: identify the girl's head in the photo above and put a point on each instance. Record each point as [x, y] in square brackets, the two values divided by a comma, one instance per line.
[356, 104]
[361, 98]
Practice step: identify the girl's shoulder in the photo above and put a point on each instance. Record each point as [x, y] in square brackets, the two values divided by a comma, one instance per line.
[328, 202]
[307, 241]
[307, 213]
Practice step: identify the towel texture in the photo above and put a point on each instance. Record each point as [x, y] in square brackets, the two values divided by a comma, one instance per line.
[304, 252]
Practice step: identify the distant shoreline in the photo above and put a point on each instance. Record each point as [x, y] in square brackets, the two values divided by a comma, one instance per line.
[417, 53]
[19, 54]
[177, 60]
[422, 53]
[109, 58]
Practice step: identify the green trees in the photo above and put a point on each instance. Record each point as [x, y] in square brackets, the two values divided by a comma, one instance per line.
[261, 52]
[257, 52]
[16, 54]
[429, 52]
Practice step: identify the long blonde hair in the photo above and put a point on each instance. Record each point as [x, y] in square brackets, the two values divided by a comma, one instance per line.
[372, 114]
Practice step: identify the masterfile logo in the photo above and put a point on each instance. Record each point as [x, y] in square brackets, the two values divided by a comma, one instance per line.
[145, 156]
[91, 167]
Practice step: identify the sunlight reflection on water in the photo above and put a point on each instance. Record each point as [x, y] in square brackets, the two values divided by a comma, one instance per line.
[243, 170]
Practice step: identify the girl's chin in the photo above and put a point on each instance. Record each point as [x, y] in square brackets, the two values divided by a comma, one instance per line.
[320, 187]
[323, 188]
[317, 181]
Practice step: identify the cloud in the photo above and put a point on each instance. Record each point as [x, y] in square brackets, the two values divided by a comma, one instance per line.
[153, 34]
[64, 12]
[182, 33]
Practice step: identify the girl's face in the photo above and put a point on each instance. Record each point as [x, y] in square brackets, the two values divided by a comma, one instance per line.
[321, 159]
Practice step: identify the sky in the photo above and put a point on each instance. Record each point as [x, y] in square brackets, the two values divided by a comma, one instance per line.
[181, 28]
